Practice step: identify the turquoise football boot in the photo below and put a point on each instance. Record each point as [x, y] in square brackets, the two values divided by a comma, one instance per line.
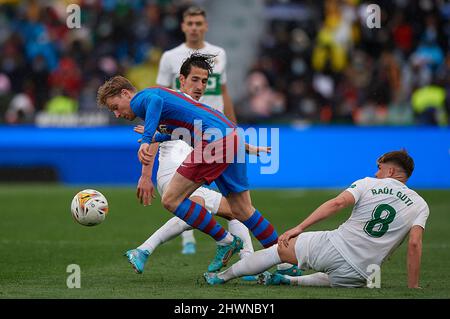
[294, 271]
[224, 254]
[137, 258]
[269, 279]
[250, 278]
[212, 279]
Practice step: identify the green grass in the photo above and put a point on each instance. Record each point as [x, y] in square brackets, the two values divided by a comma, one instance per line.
[39, 239]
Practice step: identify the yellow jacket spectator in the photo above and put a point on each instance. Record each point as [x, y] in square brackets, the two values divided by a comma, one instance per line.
[428, 104]
[144, 75]
[61, 104]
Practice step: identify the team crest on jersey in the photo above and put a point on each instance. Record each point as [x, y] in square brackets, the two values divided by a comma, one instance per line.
[162, 128]
[352, 186]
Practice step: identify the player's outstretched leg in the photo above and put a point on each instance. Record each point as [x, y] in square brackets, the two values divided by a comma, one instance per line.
[267, 236]
[261, 228]
[256, 263]
[172, 228]
[318, 279]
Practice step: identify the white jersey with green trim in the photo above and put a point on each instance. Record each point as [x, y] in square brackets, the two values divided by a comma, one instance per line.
[385, 211]
[173, 153]
[169, 71]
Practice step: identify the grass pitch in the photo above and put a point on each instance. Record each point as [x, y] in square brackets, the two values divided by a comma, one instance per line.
[39, 239]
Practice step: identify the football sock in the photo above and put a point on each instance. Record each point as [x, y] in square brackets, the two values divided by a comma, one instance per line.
[253, 264]
[198, 217]
[188, 237]
[237, 228]
[228, 239]
[318, 279]
[172, 228]
[262, 229]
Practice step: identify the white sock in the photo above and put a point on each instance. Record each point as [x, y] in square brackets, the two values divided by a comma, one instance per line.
[172, 228]
[253, 264]
[318, 279]
[284, 266]
[239, 229]
[188, 237]
[228, 239]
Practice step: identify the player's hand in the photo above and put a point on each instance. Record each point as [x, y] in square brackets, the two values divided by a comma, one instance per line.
[284, 238]
[144, 154]
[139, 129]
[257, 150]
[145, 190]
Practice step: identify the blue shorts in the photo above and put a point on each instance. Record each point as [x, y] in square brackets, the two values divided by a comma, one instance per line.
[233, 179]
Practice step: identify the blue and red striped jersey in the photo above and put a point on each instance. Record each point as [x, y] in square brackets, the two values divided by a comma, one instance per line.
[162, 107]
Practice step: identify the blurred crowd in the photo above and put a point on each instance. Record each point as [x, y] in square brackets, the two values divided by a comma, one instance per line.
[45, 67]
[318, 62]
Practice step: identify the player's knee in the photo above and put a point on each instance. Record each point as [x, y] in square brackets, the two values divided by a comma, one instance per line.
[169, 202]
[287, 254]
[197, 199]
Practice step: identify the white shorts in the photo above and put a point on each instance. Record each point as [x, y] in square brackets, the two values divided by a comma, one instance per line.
[211, 197]
[315, 251]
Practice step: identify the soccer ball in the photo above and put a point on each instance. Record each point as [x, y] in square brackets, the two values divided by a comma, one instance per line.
[89, 207]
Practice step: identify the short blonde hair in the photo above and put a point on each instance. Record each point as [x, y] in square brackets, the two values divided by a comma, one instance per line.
[113, 87]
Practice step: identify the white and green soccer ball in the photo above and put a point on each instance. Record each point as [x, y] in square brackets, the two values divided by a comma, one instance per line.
[89, 207]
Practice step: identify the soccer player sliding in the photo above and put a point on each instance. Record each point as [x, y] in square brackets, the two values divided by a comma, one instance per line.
[385, 212]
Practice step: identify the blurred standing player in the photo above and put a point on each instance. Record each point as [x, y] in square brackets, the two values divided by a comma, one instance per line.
[194, 27]
[384, 212]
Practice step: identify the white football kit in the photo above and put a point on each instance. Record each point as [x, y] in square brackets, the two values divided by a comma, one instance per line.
[173, 153]
[385, 211]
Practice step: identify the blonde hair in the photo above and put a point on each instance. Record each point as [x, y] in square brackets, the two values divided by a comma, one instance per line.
[113, 87]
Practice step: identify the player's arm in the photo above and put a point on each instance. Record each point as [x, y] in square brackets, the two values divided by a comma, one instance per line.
[157, 138]
[414, 255]
[327, 209]
[228, 108]
[256, 150]
[153, 113]
[145, 191]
